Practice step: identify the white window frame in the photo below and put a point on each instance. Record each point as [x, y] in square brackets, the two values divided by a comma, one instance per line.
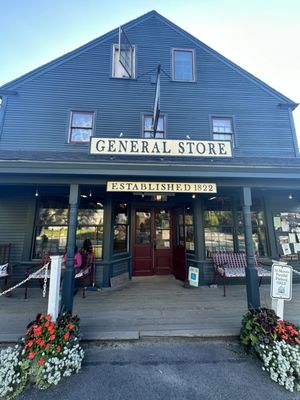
[174, 50]
[72, 112]
[149, 115]
[216, 133]
[115, 59]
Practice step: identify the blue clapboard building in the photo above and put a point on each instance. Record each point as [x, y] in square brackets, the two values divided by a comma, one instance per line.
[153, 146]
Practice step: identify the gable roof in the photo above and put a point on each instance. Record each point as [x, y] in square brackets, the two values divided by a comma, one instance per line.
[285, 101]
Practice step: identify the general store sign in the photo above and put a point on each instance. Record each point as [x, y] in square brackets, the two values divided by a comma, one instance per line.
[161, 187]
[160, 147]
[281, 282]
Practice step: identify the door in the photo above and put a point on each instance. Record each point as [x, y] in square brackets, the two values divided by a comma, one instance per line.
[152, 242]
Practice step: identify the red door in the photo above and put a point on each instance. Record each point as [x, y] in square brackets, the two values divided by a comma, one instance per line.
[152, 242]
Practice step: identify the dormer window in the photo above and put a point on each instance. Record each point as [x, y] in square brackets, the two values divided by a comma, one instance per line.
[124, 62]
[81, 126]
[183, 65]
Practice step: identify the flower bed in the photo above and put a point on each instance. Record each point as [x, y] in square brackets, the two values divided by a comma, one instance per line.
[48, 352]
[276, 343]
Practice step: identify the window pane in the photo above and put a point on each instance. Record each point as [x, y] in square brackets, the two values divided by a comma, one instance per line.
[83, 120]
[150, 135]
[142, 227]
[222, 136]
[217, 218]
[120, 237]
[52, 239]
[183, 65]
[219, 239]
[121, 227]
[160, 130]
[90, 217]
[127, 59]
[222, 125]
[53, 216]
[80, 135]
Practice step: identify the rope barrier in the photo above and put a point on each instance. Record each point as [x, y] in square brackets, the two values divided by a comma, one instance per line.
[32, 276]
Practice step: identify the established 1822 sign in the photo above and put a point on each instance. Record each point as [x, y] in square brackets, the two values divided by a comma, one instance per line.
[161, 187]
[160, 147]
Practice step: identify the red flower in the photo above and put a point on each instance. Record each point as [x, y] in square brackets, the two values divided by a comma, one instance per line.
[67, 335]
[52, 337]
[37, 330]
[41, 361]
[31, 354]
[28, 344]
[48, 317]
[47, 346]
[71, 326]
[47, 324]
[58, 349]
[41, 317]
[42, 342]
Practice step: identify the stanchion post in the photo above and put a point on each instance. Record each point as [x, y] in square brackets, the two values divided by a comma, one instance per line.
[54, 287]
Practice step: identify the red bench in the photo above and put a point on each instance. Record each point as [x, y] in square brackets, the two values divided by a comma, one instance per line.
[233, 265]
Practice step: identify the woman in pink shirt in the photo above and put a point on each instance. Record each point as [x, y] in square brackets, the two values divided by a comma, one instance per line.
[77, 260]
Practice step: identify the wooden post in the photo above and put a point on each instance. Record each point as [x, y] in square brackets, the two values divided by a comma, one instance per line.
[54, 288]
[68, 278]
[251, 272]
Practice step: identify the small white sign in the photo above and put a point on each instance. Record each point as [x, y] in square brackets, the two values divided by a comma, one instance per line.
[281, 282]
[194, 276]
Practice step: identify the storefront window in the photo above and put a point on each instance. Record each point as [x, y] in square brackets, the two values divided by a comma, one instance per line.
[121, 227]
[287, 233]
[258, 233]
[218, 225]
[51, 228]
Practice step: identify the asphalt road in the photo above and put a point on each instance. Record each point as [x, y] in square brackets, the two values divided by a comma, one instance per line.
[184, 369]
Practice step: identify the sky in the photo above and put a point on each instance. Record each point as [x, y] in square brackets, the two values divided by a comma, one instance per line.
[261, 36]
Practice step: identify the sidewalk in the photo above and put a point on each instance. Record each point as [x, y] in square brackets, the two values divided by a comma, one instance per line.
[146, 307]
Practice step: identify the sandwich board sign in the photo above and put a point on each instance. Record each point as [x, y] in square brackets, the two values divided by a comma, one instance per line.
[194, 276]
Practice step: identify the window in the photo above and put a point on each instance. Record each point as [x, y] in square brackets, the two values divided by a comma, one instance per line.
[81, 126]
[147, 127]
[218, 225]
[185, 229]
[51, 228]
[222, 128]
[121, 227]
[124, 63]
[258, 233]
[183, 65]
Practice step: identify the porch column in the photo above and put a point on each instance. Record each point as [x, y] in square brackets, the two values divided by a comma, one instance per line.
[107, 239]
[68, 278]
[251, 272]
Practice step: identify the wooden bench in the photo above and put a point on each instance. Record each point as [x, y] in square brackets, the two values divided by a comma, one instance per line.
[233, 265]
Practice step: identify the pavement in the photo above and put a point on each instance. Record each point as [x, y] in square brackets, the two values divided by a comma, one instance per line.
[147, 307]
[175, 369]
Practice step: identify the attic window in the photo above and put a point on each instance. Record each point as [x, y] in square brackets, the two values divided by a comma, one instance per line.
[183, 65]
[81, 126]
[124, 63]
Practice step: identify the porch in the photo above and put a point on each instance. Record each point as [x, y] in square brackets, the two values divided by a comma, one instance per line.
[156, 306]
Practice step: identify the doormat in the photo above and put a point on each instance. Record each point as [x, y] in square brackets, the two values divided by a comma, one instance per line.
[120, 280]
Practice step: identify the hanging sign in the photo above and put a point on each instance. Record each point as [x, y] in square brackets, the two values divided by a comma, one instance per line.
[281, 282]
[160, 147]
[161, 187]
